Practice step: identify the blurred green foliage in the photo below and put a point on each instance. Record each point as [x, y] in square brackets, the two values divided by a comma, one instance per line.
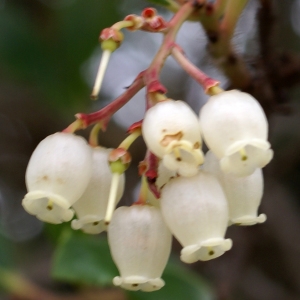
[6, 253]
[86, 260]
[6, 261]
[45, 47]
[181, 284]
[161, 2]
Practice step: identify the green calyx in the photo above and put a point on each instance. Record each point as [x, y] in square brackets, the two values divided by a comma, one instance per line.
[118, 167]
[109, 45]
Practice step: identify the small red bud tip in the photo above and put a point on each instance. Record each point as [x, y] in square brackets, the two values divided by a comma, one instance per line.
[149, 13]
[111, 33]
[137, 22]
[157, 23]
[83, 118]
[156, 87]
[135, 126]
[210, 83]
[142, 167]
[130, 18]
[105, 34]
[119, 154]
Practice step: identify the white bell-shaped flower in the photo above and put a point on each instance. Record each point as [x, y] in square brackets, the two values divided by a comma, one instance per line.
[195, 210]
[243, 193]
[140, 245]
[91, 207]
[235, 129]
[57, 175]
[171, 131]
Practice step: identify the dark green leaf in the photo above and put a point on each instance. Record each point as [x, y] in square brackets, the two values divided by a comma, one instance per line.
[48, 51]
[6, 253]
[84, 259]
[54, 231]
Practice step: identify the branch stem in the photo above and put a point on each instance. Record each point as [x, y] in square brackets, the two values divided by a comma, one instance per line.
[130, 139]
[220, 34]
[122, 24]
[76, 125]
[151, 77]
[106, 113]
[148, 78]
[93, 139]
[203, 79]
[233, 11]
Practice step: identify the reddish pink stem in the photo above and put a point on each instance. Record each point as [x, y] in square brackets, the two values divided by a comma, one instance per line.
[106, 113]
[151, 77]
[206, 81]
[134, 126]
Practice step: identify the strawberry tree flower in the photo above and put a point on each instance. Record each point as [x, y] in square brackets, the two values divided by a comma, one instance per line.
[171, 131]
[91, 207]
[243, 193]
[64, 174]
[140, 244]
[57, 175]
[195, 210]
[235, 129]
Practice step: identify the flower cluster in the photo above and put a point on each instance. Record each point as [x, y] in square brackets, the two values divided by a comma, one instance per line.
[184, 193]
[197, 201]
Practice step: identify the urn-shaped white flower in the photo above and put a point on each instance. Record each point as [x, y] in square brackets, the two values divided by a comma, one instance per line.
[171, 131]
[195, 210]
[235, 129]
[140, 245]
[242, 193]
[57, 175]
[91, 207]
